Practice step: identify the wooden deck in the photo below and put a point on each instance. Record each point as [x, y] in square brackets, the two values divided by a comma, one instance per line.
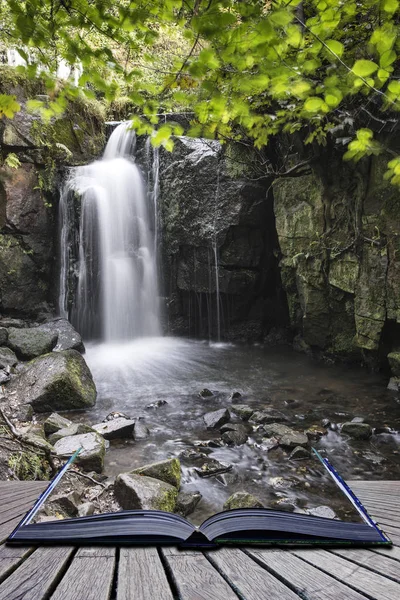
[68, 573]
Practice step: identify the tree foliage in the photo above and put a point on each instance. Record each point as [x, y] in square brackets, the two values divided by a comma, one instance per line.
[255, 69]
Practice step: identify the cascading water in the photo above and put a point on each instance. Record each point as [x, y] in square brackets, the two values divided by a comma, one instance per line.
[117, 292]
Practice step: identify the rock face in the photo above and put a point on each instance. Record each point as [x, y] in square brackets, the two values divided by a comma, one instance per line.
[56, 381]
[91, 457]
[31, 342]
[137, 491]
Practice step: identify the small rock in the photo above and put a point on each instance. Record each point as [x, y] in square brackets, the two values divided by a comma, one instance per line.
[157, 404]
[358, 420]
[205, 393]
[8, 358]
[394, 384]
[70, 430]
[315, 432]
[269, 443]
[293, 439]
[236, 437]
[116, 429]
[216, 418]
[4, 377]
[187, 502]
[91, 457]
[141, 431]
[243, 411]
[3, 336]
[30, 342]
[322, 511]
[212, 467]
[140, 492]
[115, 415]
[383, 429]
[209, 444]
[228, 478]
[394, 362]
[242, 500]
[54, 423]
[325, 423]
[358, 431]
[299, 453]
[283, 504]
[66, 503]
[276, 429]
[86, 509]
[268, 415]
[235, 396]
[165, 470]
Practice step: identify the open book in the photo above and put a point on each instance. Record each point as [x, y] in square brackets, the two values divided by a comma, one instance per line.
[260, 526]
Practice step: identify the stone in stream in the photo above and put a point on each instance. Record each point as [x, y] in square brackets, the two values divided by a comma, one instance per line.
[235, 436]
[394, 384]
[205, 393]
[141, 431]
[321, 511]
[394, 362]
[293, 439]
[116, 429]
[242, 500]
[315, 432]
[69, 430]
[235, 396]
[358, 420]
[115, 415]
[3, 336]
[211, 467]
[358, 431]
[8, 358]
[187, 502]
[228, 478]
[91, 457]
[242, 410]
[56, 381]
[67, 336]
[54, 423]
[209, 443]
[30, 342]
[269, 443]
[165, 470]
[157, 404]
[299, 453]
[276, 430]
[216, 418]
[134, 491]
[268, 415]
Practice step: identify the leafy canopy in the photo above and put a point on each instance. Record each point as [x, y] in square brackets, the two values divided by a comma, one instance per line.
[253, 69]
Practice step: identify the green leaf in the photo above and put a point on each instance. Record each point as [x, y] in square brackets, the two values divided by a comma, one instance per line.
[313, 104]
[387, 58]
[335, 47]
[363, 68]
[390, 6]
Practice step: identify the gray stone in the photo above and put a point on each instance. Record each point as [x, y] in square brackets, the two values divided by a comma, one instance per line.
[3, 336]
[30, 342]
[86, 509]
[72, 429]
[235, 437]
[269, 443]
[140, 492]
[9, 322]
[67, 337]
[116, 429]
[23, 412]
[187, 502]
[216, 418]
[299, 453]
[157, 404]
[91, 457]
[358, 420]
[268, 415]
[211, 467]
[141, 431]
[242, 410]
[165, 470]
[322, 511]
[56, 381]
[242, 500]
[359, 431]
[293, 439]
[206, 393]
[4, 376]
[54, 423]
[8, 358]
[235, 395]
[66, 503]
[276, 429]
[394, 384]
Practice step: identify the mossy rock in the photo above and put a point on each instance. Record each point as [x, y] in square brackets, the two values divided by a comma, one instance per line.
[30, 342]
[165, 470]
[242, 500]
[138, 491]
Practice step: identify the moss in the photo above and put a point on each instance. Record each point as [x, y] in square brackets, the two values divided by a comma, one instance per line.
[168, 471]
[10, 78]
[29, 466]
[237, 160]
[167, 500]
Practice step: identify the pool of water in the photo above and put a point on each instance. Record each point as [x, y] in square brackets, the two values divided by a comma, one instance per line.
[132, 375]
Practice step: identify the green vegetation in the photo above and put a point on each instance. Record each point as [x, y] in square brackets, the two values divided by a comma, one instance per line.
[28, 465]
[320, 69]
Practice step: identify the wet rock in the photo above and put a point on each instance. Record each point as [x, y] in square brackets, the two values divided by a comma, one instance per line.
[276, 429]
[165, 470]
[293, 439]
[3, 336]
[228, 478]
[91, 457]
[86, 509]
[69, 430]
[8, 358]
[394, 362]
[206, 393]
[242, 500]
[383, 429]
[394, 384]
[187, 502]
[30, 342]
[212, 467]
[299, 453]
[268, 415]
[115, 415]
[141, 431]
[322, 511]
[56, 381]
[235, 396]
[235, 437]
[155, 405]
[134, 491]
[67, 337]
[325, 423]
[243, 411]
[65, 503]
[209, 443]
[283, 504]
[216, 418]
[269, 443]
[315, 432]
[292, 403]
[54, 423]
[280, 482]
[358, 431]
[358, 420]
[4, 376]
[119, 428]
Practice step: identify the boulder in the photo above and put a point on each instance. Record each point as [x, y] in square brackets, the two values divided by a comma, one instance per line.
[187, 502]
[235, 396]
[299, 453]
[141, 431]
[236, 436]
[72, 429]
[276, 430]
[91, 457]
[206, 393]
[165, 470]
[358, 431]
[67, 337]
[56, 381]
[293, 439]
[216, 418]
[268, 415]
[242, 500]
[8, 358]
[54, 423]
[116, 429]
[315, 432]
[243, 411]
[140, 492]
[30, 342]
[65, 503]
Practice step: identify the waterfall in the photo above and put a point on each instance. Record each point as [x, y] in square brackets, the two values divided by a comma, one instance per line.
[116, 296]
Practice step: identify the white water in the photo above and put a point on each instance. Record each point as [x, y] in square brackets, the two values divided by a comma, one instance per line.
[117, 293]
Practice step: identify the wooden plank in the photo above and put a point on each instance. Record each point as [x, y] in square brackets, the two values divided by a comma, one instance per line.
[17, 507]
[195, 578]
[37, 577]
[373, 562]
[359, 578]
[306, 580]
[11, 557]
[393, 533]
[7, 495]
[89, 577]
[393, 552]
[8, 527]
[247, 576]
[141, 575]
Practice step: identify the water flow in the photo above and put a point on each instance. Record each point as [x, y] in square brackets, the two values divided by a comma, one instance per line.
[117, 293]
